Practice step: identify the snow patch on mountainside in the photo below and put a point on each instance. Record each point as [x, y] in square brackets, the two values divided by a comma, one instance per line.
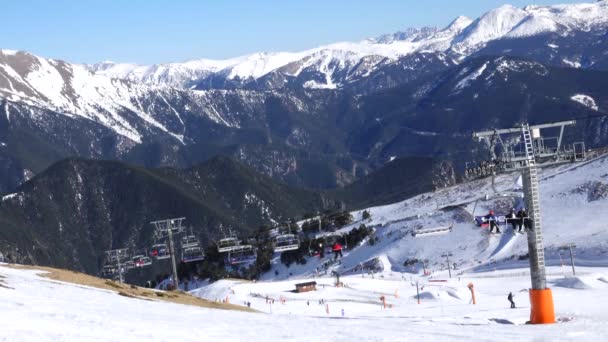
[586, 101]
[533, 25]
[490, 26]
[471, 77]
[572, 64]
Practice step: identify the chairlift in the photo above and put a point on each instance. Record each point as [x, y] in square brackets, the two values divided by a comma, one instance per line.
[286, 242]
[109, 271]
[189, 241]
[141, 261]
[160, 251]
[129, 265]
[192, 254]
[228, 244]
[483, 222]
[241, 254]
[327, 242]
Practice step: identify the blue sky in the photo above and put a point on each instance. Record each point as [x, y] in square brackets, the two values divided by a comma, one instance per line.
[149, 31]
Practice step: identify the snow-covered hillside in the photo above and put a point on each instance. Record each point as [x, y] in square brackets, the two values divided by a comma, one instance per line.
[574, 203]
[462, 37]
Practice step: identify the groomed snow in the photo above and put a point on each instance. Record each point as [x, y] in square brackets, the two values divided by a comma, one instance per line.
[33, 308]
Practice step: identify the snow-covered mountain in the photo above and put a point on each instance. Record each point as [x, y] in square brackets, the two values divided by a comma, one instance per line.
[133, 110]
[328, 63]
[283, 112]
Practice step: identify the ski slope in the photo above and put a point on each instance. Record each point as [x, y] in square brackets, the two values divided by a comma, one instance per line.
[33, 308]
[574, 205]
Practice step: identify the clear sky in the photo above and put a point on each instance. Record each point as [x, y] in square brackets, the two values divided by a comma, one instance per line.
[155, 31]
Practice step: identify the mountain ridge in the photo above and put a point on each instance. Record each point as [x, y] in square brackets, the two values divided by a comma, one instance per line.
[461, 37]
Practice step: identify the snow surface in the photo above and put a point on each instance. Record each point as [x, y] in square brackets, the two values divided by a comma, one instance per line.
[586, 101]
[33, 308]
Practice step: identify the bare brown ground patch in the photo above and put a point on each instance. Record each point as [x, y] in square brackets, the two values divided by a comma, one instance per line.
[127, 290]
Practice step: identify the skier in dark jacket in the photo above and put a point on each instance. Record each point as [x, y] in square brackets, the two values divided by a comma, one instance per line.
[512, 217]
[523, 219]
[510, 298]
[492, 221]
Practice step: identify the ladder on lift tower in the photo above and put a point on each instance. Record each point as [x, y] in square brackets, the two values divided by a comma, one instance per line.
[533, 193]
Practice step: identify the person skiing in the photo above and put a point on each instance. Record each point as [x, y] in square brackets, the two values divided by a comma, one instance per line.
[512, 217]
[523, 219]
[337, 248]
[491, 219]
[510, 298]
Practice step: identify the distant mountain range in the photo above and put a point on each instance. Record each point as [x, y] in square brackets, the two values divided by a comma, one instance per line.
[340, 64]
[320, 118]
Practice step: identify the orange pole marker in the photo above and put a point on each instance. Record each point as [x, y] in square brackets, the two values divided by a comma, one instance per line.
[542, 310]
[472, 288]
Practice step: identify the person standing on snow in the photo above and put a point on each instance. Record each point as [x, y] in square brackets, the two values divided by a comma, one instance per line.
[491, 219]
[510, 298]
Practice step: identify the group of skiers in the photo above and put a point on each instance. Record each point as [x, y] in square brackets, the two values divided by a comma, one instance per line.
[517, 220]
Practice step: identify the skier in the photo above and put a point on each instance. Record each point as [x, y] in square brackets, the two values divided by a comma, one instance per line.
[510, 298]
[512, 217]
[492, 221]
[523, 219]
[337, 248]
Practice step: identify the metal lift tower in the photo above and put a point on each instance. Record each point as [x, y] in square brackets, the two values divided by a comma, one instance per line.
[116, 257]
[166, 229]
[541, 298]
